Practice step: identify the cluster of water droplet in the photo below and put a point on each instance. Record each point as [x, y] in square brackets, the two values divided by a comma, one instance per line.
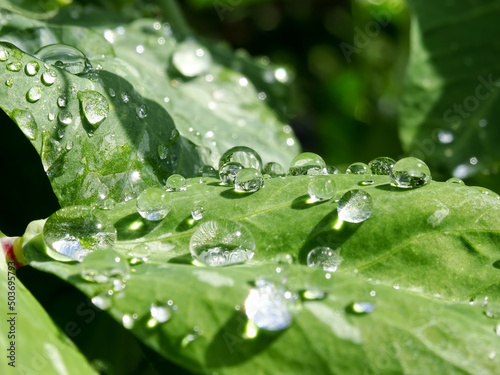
[242, 167]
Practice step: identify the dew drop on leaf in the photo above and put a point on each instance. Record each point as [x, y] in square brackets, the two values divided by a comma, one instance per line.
[330, 169]
[228, 172]
[102, 301]
[456, 181]
[208, 171]
[4, 54]
[26, 122]
[283, 259]
[362, 308]
[191, 59]
[125, 97]
[65, 117]
[176, 182]
[128, 320]
[14, 66]
[267, 307]
[355, 206]
[274, 169]
[246, 156]
[34, 94]
[62, 101]
[154, 204]
[95, 107]
[381, 166]
[410, 173]
[160, 312]
[357, 168]
[221, 242]
[139, 254]
[313, 294]
[321, 188]
[65, 57]
[366, 182]
[248, 180]
[197, 211]
[31, 68]
[307, 163]
[103, 266]
[9, 82]
[49, 77]
[488, 192]
[76, 231]
[325, 258]
[141, 111]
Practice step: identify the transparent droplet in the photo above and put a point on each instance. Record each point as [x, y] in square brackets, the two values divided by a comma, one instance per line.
[357, 168]
[62, 101]
[190, 337]
[141, 111]
[274, 169]
[128, 320]
[284, 259]
[321, 188]
[160, 312]
[197, 211]
[102, 266]
[228, 172]
[176, 182]
[267, 307]
[362, 307]
[78, 230]
[95, 107]
[330, 169]
[4, 54]
[65, 117]
[9, 82]
[125, 97]
[381, 166]
[14, 66]
[208, 171]
[65, 57]
[445, 136]
[221, 242]
[313, 294]
[139, 254]
[162, 152]
[154, 204]
[366, 182]
[307, 163]
[246, 156]
[49, 77]
[31, 68]
[112, 93]
[455, 180]
[355, 206]
[26, 122]
[191, 59]
[34, 94]
[102, 301]
[248, 180]
[325, 258]
[410, 173]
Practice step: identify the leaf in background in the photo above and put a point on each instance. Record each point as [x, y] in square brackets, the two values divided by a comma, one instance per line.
[40, 346]
[450, 103]
[416, 265]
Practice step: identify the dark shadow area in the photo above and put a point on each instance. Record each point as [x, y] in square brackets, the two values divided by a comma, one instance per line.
[301, 203]
[161, 364]
[217, 184]
[496, 264]
[394, 189]
[182, 259]
[232, 194]
[186, 224]
[229, 347]
[134, 226]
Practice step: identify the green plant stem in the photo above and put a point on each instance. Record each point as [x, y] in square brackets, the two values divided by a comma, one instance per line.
[173, 15]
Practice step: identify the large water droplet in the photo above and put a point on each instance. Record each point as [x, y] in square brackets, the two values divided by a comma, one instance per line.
[4, 54]
[355, 206]
[14, 66]
[248, 180]
[274, 169]
[65, 117]
[197, 211]
[410, 173]
[246, 156]
[154, 204]
[26, 122]
[139, 254]
[307, 163]
[32, 68]
[357, 168]
[76, 231]
[381, 166]
[34, 94]
[227, 173]
[325, 258]
[191, 59]
[221, 242]
[94, 105]
[65, 57]
[362, 308]
[49, 77]
[176, 182]
[321, 188]
[102, 266]
[267, 307]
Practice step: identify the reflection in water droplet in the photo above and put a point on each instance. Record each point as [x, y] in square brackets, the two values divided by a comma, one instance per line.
[267, 307]
[65, 117]
[160, 312]
[367, 183]
[31, 68]
[325, 258]
[455, 180]
[221, 243]
[381, 166]
[330, 169]
[313, 294]
[26, 122]
[141, 111]
[357, 168]
[176, 182]
[65, 57]
[246, 156]
[139, 254]
[95, 107]
[191, 59]
[49, 77]
[355, 206]
[248, 180]
[410, 173]
[227, 174]
[125, 97]
[4, 54]
[362, 308]
[197, 211]
[102, 301]
[154, 204]
[307, 163]
[321, 188]
[102, 266]
[14, 66]
[62, 101]
[9, 82]
[208, 171]
[34, 94]
[78, 230]
[128, 320]
[274, 169]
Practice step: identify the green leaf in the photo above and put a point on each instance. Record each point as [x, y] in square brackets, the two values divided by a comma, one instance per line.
[38, 344]
[450, 102]
[418, 265]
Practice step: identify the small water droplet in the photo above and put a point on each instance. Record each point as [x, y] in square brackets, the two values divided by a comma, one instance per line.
[49, 77]
[62, 101]
[410, 173]
[4, 54]
[191, 59]
[141, 111]
[355, 206]
[246, 156]
[221, 242]
[95, 107]
[208, 171]
[373, 293]
[176, 182]
[321, 188]
[128, 320]
[112, 93]
[125, 97]
[31, 68]
[274, 169]
[102, 301]
[65, 57]
[445, 136]
[248, 180]
[366, 182]
[357, 168]
[34, 94]
[160, 312]
[14, 66]
[197, 211]
[325, 258]
[190, 337]
[154, 204]
[139, 254]
[228, 172]
[76, 231]
[362, 308]
[486, 191]
[284, 259]
[455, 180]
[267, 307]
[381, 166]
[65, 117]
[26, 122]
[102, 266]
[330, 169]
[313, 294]
[307, 163]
